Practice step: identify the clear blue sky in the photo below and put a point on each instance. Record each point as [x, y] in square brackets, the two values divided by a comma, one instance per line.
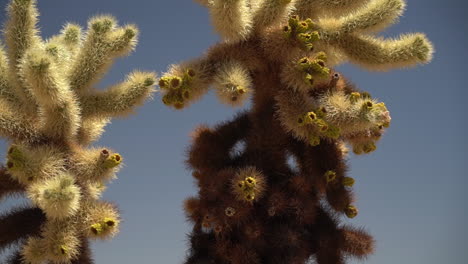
[411, 192]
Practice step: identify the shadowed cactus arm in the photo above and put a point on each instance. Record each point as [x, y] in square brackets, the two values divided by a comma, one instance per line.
[30, 220]
[227, 68]
[216, 143]
[8, 186]
[14, 126]
[356, 242]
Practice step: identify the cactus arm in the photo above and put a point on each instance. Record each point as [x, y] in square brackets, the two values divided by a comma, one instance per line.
[120, 99]
[71, 37]
[60, 111]
[15, 127]
[8, 186]
[186, 82]
[380, 55]
[356, 242]
[232, 19]
[316, 8]
[91, 130]
[19, 224]
[216, 144]
[374, 17]
[232, 83]
[267, 13]
[103, 43]
[21, 33]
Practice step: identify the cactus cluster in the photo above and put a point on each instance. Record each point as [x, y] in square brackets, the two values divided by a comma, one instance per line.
[272, 182]
[51, 111]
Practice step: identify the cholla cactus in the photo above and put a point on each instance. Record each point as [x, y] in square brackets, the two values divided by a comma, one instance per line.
[51, 112]
[253, 206]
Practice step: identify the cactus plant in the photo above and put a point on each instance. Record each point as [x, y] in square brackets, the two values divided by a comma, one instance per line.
[51, 112]
[254, 204]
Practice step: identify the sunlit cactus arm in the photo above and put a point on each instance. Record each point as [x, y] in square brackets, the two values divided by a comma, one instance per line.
[18, 224]
[96, 165]
[317, 8]
[71, 37]
[354, 112]
[374, 17]
[232, 83]
[14, 126]
[58, 197]
[102, 222]
[59, 240]
[121, 99]
[232, 19]
[365, 141]
[306, 73]
[21, 33]
[271, 12]
[103, 43]
[32, 252]
[295, 39]
[64, 46]
[186, 82]
[8, 186]
[215, 144]
[379, 54]
[29, 165]
[59, 109]
[91, 129]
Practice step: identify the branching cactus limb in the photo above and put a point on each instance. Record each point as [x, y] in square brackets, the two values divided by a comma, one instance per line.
[51, 113]
[272, 181]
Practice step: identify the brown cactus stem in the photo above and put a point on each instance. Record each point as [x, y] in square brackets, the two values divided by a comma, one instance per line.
[85, 253]
[8, 186]
[19, 224]
[289, 236]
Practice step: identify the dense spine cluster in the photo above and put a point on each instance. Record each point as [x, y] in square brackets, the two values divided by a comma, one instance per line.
[51, 111]
[255, 205]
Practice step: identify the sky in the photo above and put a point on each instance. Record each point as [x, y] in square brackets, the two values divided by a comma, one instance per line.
[411, 191]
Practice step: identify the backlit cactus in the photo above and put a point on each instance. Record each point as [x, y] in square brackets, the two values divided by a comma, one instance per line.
[51, 111]
[253, 205]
